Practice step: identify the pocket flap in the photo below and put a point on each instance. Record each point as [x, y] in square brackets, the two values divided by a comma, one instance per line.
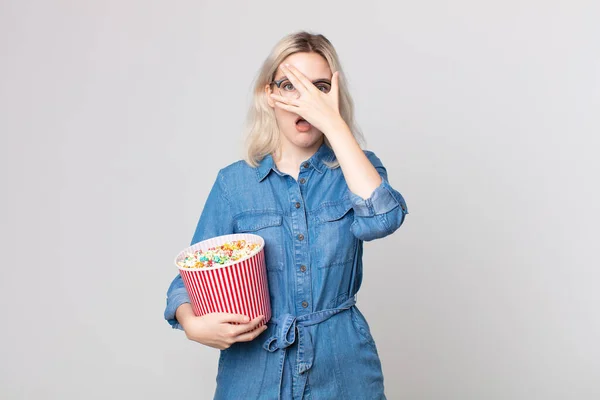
[254, 222]
[334, 211]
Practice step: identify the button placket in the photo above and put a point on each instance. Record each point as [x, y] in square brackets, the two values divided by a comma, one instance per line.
[300, 229]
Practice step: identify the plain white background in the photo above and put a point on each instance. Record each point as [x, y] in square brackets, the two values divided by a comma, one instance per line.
[115, 117]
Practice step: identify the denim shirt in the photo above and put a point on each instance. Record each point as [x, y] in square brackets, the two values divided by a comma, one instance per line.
[317, 343]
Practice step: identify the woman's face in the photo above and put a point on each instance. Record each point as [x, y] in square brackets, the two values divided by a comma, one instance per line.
[314, 67]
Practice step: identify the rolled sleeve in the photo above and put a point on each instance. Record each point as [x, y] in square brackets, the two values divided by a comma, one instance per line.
[383, 212]
[381, 201]
[177, 295]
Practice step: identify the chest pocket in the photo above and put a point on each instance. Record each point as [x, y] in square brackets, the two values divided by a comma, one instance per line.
[338, 244]
[269, 227]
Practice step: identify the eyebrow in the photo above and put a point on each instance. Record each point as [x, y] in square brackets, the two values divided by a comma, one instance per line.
[321, 80]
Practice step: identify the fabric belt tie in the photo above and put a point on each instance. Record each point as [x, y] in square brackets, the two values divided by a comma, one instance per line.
[285, 336]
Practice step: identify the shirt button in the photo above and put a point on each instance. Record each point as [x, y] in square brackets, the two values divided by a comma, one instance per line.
[297, 205]
[304, 304]
[305, 165]
[303, 268]
[300, 236]
[302, 180]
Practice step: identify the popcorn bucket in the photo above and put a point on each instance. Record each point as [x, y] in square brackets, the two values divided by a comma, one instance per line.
[239, 288]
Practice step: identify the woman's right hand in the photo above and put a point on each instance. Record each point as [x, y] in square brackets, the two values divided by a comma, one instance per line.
[216, 329]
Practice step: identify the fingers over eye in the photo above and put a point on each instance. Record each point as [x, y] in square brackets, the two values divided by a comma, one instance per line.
[296, 77]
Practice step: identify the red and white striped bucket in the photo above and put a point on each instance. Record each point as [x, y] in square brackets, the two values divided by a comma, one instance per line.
[238, 288]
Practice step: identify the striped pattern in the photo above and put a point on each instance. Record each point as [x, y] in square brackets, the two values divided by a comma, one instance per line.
[239, 288]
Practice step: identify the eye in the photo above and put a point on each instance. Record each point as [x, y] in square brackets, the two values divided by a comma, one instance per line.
[286, 85]
[324, 87]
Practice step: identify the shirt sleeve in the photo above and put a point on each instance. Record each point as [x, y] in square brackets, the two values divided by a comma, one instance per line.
[383, 212]
[215, 220]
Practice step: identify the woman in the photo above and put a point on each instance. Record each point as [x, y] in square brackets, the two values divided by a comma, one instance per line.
[314, 195]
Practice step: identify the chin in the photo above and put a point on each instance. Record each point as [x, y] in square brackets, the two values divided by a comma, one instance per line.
[307, 139]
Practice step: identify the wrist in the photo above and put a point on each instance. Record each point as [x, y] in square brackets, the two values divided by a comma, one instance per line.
[183, 313]
[335, 127]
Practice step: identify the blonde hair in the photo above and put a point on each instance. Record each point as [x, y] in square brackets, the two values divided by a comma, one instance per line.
[262, 133]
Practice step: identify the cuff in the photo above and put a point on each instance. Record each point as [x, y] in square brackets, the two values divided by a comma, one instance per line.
[176, 299]
[381, 201]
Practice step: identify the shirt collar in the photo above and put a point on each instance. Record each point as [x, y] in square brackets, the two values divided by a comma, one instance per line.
[323, 154]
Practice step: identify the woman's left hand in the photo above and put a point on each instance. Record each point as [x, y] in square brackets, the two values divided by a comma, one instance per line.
[320, 109]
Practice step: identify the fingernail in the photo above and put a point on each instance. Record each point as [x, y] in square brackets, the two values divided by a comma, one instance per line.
[246, 319]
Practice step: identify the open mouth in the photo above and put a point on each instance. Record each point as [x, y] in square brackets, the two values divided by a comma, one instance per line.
[302, 125]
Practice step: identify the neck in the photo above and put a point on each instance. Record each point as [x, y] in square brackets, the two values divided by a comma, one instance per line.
[292, 156]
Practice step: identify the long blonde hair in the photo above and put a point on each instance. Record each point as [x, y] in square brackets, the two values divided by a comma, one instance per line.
[262, 133]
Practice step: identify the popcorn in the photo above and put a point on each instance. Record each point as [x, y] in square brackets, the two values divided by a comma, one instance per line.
[226, 254]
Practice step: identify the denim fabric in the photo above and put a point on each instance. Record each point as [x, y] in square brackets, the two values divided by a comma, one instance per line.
[318, 344]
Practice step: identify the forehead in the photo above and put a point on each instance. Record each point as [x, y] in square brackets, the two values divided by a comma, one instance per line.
[312, 65]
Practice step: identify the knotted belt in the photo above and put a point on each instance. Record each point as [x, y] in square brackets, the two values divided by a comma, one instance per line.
[285, 336]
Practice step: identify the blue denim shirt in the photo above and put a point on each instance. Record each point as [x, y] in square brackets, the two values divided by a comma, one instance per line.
[318, 343]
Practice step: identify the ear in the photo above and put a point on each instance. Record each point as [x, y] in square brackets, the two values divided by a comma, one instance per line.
[269, 99]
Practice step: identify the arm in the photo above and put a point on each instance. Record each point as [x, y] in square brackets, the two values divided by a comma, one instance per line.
[216, 220]
[379, 209]
[358, 168]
